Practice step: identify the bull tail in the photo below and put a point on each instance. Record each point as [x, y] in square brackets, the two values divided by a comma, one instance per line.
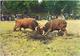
[15, 26]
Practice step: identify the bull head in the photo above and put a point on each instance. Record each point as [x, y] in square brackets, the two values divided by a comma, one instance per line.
[39, 30]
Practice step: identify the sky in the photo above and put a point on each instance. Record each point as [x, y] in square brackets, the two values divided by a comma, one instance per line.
[39, 1]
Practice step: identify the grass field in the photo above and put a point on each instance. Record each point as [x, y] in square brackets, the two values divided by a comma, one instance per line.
[19, 44]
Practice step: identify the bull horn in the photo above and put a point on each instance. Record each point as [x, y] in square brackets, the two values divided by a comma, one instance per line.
[36, 28]
[43, 33]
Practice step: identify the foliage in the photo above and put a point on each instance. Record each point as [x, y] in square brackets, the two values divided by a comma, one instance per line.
[49, 7]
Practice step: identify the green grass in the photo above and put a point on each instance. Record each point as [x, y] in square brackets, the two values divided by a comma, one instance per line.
[19, 44]
[6, 25]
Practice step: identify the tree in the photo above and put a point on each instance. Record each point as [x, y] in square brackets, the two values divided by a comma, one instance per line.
[13, 7]
[48, 7]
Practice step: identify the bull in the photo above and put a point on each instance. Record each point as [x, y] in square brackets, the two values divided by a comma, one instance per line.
[25, 23]
[55, 24]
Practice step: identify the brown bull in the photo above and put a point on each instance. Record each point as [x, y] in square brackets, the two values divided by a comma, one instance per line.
[55, 24]
[25, 23]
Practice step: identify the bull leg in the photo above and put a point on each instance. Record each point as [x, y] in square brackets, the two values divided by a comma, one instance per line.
[24, 29]
[47, 32]
[31, 27]
[58, 32]
[20, 29]
[65, 32]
